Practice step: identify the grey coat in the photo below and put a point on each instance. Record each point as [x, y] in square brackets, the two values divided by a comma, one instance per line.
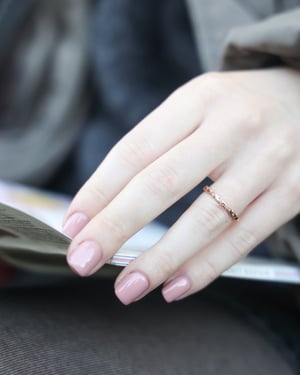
[229, 34]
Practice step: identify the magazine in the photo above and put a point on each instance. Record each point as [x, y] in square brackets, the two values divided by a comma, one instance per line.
[31, 238]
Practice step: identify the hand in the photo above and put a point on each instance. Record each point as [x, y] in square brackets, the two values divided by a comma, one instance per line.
[242, 129]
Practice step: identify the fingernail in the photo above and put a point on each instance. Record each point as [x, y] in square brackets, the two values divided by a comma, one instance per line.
[86, 258]
[74, 224]
[176, 288]
[131, 287]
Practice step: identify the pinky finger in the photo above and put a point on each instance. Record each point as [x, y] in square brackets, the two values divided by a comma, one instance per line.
[260, 219]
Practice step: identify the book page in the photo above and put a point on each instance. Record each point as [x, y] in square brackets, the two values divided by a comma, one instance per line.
[21, 233]
[31, 220]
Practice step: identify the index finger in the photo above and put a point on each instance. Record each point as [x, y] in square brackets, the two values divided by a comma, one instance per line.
[174, 120]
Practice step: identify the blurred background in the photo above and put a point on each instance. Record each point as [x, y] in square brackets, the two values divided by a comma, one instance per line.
[76, 75]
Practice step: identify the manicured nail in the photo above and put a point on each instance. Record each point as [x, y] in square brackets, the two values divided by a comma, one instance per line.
[74, 224]
[131, 287]
[176, 288]
[86, 258]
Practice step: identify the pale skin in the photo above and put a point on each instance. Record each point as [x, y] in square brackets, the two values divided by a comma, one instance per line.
[242, 129]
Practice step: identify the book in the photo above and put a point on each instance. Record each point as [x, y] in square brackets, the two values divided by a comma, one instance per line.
[31, 238]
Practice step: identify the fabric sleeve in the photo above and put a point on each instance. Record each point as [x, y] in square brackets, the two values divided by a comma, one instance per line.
[273, 41]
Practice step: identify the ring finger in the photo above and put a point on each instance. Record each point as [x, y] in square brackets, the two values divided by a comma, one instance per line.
[198, 226]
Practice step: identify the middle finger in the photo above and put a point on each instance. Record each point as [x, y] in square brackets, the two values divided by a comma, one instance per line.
[154, 189]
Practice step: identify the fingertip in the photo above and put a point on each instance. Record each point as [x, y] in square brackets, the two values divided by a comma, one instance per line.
[176, 289]
[86, 258]
[132, 287]
[74, 224]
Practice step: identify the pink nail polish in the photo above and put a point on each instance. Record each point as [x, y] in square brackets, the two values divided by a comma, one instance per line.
[176, 288]
[86, 258]
[74, 224]
[131, 287]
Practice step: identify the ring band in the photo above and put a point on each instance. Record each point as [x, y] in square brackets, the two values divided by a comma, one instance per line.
[221, 203]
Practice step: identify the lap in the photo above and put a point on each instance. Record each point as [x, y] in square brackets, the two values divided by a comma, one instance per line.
[80, 328]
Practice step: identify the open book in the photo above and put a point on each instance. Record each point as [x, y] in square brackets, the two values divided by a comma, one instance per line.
[30, 238]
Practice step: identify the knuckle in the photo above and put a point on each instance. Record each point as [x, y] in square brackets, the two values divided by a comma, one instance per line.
[279, 150]
[94, 190]
[242, 242]
[211, 272]
[284, 148]
[165, 264]
[177, 94]
[133, 152]
[211, 218]
[113, 227]
[213, 84]
[248, 122]
[208, 86]
[252, 121]
[163, 180]
[282, 154]
[212, 80]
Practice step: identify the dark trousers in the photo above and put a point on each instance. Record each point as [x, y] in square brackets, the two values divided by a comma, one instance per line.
[78, 327]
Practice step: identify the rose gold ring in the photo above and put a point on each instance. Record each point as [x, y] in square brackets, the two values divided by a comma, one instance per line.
[221, 203]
